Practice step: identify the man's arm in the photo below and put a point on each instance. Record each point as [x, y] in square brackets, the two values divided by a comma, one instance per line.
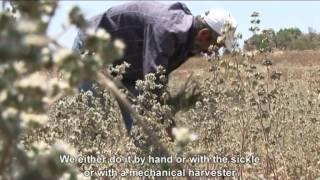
[159, 46]
[78, 43]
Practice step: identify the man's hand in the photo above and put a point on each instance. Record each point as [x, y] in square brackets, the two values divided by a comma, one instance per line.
[187, 96]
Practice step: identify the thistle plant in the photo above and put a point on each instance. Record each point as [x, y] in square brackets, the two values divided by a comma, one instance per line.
[151, 102]
[26, 96]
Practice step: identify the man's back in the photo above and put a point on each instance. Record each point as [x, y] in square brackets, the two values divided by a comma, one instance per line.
[154, 34]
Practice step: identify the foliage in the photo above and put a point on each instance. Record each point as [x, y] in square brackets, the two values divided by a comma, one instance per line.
[287, 35]
[287, 38]
[25, 50]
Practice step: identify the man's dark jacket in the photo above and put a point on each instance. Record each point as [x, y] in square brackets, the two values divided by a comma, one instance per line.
[154, 33]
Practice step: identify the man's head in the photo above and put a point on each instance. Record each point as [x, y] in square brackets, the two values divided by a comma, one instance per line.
[210, 25]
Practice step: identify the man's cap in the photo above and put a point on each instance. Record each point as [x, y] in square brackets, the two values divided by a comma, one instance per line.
[216, 19]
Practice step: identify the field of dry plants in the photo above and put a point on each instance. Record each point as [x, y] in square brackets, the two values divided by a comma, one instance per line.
[266, 105]
[244, 108]
[261, 111]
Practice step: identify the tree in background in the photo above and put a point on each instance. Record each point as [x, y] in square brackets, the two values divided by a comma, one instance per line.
[261, 41]
[287, 38]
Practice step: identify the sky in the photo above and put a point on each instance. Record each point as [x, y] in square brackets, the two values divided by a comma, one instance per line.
[273, 14]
